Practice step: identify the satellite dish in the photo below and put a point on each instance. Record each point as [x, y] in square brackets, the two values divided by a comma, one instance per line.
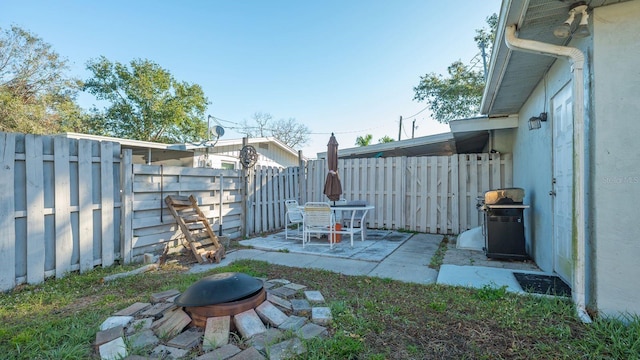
[216, 132]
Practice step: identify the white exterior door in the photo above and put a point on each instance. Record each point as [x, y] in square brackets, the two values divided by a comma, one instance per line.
[563, 183]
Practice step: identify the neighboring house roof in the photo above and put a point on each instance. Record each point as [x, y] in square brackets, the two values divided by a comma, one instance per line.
[188, 149]
[513, 75]
[432, 145]
[258, 141]
[125, 142]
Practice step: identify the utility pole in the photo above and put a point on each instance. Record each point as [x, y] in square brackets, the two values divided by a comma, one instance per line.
[400, 130]
[413, 128]
[484, 60]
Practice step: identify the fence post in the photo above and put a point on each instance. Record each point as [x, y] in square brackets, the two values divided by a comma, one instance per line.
[245, 193]
[126, 207]
[302, 180]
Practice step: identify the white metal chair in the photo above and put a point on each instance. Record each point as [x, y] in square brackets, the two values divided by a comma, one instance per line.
[318, 219]
[355, 222]
[295, 217]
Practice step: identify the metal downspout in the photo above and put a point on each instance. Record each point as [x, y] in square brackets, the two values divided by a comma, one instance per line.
[576, 57]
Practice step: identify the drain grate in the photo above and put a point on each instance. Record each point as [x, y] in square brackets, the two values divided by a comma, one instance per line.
[543, 284]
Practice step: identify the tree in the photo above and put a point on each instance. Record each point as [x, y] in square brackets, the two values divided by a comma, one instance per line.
[146, 102]
[260, 128]
[364, 140]
[289, 131]
[385, 139]
[458, 95]
[35, 95]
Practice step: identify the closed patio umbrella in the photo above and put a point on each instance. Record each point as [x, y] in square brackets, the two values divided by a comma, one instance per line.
[332, 185]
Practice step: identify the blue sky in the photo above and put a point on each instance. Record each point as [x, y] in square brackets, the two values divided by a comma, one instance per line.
[347, 67]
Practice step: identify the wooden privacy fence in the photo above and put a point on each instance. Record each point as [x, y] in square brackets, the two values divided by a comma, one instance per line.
[268, 188]
[60, 207]
[218, 192]
[68, 204]
[435, 194]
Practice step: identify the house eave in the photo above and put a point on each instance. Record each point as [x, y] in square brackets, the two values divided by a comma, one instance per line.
[483, 123]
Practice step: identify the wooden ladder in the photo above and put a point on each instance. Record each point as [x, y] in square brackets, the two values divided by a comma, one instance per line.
[196, 228]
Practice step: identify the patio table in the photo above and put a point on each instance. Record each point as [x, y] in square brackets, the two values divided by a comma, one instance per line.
[358, 213]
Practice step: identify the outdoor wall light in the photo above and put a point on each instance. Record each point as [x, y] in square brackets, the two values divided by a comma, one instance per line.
[583, 28]
[563, 31]
[535, 122]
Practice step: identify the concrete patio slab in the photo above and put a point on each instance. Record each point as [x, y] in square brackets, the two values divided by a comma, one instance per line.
[386, 254]
[378, 245]
[481, 276]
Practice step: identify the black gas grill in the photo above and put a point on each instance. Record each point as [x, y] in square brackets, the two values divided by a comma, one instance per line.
[503, 227]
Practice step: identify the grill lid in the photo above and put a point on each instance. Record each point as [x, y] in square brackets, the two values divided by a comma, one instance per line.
[504, 196]
[218, 289]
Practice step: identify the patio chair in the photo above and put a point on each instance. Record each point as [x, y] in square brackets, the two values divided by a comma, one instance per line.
[318, 219]
[359, 224]
[293, 216]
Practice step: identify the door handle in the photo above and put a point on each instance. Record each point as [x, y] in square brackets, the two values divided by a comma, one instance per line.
[552, 193]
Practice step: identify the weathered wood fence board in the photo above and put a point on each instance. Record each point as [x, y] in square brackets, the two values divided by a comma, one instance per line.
[7, 211]
[435, 194]
[58, 214]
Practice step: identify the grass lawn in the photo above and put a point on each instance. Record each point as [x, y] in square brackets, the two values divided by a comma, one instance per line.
[373, 318]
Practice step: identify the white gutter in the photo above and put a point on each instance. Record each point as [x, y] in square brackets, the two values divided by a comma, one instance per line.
[576, 57]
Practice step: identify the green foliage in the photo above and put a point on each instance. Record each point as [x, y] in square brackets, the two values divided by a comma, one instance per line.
[438, 256]
[146, 102]
[35, 95]
[612, 339]
[491, 293]
[485, 37]
[453, 97]
[457, 95]
[372, 318]
[364, 140]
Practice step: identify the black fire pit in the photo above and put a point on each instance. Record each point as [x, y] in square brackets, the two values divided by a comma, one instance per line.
[224, 294]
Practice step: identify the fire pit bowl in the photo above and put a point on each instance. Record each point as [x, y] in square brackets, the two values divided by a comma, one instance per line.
[219, 288]
[220, 295]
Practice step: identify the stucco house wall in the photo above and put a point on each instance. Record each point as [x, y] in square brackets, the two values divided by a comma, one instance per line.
[616, 156]
[270, 151]
[501, 141]
[612, 86]
[532, 164]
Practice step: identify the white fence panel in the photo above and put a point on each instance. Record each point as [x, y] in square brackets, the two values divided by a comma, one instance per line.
[53, 218]
[217, 191]
[69, 205]
[268, 188]
[436, 194]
